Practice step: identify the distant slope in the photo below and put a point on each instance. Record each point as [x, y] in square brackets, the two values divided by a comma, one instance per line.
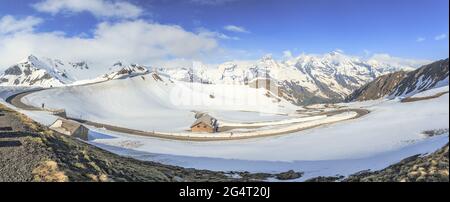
[380, 87]
[424, 78]
[404, 83]
[33, 72]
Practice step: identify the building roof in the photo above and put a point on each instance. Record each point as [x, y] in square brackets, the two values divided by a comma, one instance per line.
[67, 125]
[207, 120]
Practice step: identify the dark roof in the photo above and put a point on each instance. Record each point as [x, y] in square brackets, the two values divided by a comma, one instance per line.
[207, 120]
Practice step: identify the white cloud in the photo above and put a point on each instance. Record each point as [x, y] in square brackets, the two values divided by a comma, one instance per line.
[207, 33]
[212, 2]
[98, 8]
[129, 41]
[440, 37]
[420, 39]
[287, 54]
[234, 28]
[10, 24]
[388, 59]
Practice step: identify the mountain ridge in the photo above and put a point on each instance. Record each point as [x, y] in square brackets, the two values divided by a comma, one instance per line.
[404, 84]
[46, 72]
[306, 79]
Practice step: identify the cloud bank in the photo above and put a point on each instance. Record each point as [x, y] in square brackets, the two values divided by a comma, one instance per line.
[9, 24]
[98, 8]
[135, 41]
[440, 37]
[234, 28]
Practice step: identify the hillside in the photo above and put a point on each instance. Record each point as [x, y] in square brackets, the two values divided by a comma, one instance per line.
[404, 84]
[381, 86]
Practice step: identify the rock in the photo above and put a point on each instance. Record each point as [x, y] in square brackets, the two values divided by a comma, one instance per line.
[178, 179]
[413, 174]
[417, 168]
[325, 179]
[289, 175]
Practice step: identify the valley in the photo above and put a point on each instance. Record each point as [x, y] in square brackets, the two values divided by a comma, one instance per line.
[148, 115]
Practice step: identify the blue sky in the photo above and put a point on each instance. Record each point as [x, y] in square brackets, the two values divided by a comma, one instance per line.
[318, 26]
[416, 29]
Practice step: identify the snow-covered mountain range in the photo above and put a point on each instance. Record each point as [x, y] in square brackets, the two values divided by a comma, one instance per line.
[35, 72]
[301, 80]
[46, 72]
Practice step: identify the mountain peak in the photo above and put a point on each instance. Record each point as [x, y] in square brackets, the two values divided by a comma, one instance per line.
[267, 57]
[127, 71]
[336, 52]
[32, 57]
[118, 64]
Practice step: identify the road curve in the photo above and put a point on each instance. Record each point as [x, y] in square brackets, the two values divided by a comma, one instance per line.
[15, 100]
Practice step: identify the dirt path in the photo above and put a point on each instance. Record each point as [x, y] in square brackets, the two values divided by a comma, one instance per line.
[15, 100]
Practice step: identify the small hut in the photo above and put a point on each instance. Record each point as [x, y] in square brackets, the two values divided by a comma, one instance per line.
[205, 123]
[70, 128]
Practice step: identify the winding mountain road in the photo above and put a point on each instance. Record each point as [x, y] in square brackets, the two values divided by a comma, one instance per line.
[16, 101]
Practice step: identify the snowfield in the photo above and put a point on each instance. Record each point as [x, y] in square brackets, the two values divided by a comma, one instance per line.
[431, 92]
[145, 103]
[390, 132]
[390, 125]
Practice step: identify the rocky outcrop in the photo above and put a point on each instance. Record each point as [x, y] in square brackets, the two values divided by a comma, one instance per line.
[126, 72]
[289, 175]
[417, 168]
[431, 168]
